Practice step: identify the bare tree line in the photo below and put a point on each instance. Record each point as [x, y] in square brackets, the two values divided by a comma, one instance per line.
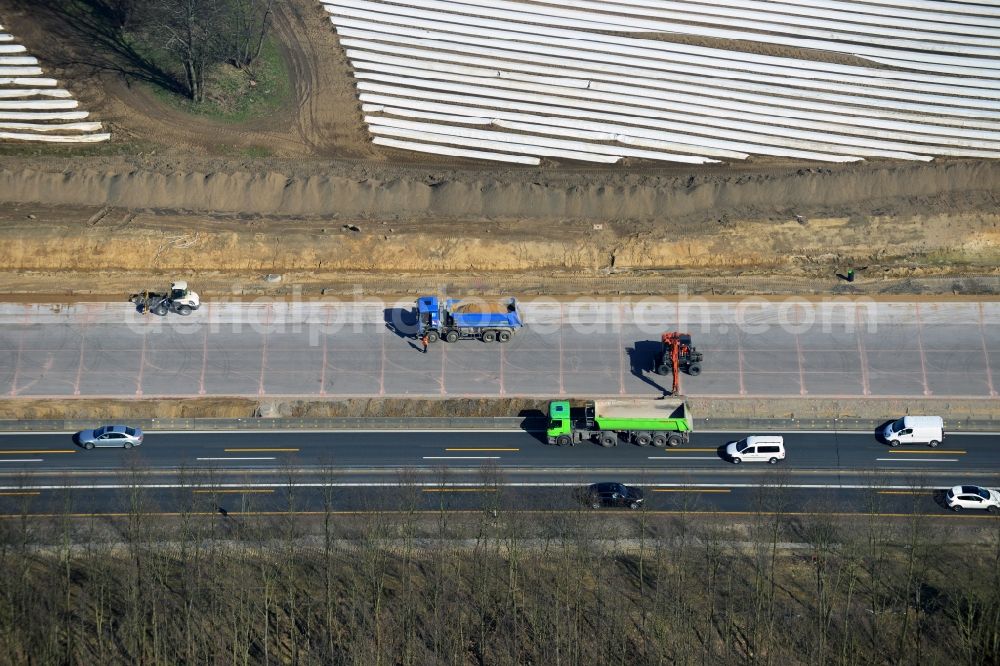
[492, 586]
[194, 35]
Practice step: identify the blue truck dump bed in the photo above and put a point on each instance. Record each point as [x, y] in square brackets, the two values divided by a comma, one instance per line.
[453, 319]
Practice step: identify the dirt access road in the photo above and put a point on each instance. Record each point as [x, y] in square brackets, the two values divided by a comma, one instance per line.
[175, 193]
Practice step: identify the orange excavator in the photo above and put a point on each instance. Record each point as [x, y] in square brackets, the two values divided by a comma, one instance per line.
[678, 355]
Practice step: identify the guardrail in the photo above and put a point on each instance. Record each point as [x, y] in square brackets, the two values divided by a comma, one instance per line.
[528, 423]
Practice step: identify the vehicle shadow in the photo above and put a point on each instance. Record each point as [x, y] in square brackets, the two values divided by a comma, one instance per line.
[939, 499]
[642, 359]
[402, 322]
[721, 452]
[879, 437]
[534, 422]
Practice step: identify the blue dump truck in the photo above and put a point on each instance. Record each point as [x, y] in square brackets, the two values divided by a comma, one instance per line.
[455, 319]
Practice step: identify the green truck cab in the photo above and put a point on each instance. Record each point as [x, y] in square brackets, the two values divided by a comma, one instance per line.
[642, 421]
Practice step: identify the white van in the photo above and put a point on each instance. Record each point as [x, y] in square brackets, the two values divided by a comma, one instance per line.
[757, 448]
[915, 430]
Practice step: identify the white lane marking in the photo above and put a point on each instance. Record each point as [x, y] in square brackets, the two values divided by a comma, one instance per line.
[436, 484]
[786, 431]
[461, 457]
[917, 459]
[22, 460]
[684, 458]
[272, 458]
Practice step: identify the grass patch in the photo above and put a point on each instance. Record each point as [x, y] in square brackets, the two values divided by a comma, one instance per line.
[237, 95]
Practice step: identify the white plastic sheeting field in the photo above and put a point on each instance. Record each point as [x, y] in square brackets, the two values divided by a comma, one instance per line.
[34, 108]
[588, 80]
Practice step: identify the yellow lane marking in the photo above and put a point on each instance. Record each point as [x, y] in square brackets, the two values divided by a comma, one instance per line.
[235, 491]
[250, 450]
[686, 450]
[478, 449]
[691, 490]
[459, 490]
[19, 494]
[939, 452]
[434, 512]
[27, 451]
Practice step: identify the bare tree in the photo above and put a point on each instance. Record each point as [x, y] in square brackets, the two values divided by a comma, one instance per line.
[192, 32]
[248, 24]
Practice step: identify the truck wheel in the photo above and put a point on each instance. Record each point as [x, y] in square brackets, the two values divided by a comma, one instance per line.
[674, 440]
[159, 310]
[489, 336]
[432, 336]
[659, 441]
[694, 369]
[933, 443]
[609, 440]
[564, 440]
[184, 310]
[451, 336]
[503, 336]
[662, 370]
[893, 442]
[643, 439]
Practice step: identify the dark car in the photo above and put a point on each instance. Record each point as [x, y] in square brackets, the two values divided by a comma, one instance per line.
[614, 494]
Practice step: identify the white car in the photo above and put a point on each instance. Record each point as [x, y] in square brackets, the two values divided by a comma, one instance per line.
[972, 497]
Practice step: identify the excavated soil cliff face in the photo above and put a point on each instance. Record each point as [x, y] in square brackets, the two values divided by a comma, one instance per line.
[107, 240]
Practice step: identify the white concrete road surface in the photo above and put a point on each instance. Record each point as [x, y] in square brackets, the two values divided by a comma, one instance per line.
[753, 347]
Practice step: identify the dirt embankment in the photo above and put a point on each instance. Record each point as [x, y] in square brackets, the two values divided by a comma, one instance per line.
[727, 409]
[366, 189]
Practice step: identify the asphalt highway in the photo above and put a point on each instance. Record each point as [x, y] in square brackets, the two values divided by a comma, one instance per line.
[469, 470]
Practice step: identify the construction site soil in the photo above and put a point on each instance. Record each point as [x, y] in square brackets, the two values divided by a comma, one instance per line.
[171, 196]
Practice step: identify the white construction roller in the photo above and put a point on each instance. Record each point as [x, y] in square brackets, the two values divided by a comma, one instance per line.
[57, 127]
[454, 152]
[18, 60]
[83, 138]
[39, 104]
[12, 48]
[33, 92]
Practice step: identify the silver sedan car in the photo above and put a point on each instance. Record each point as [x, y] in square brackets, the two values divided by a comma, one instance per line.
[117, 436]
